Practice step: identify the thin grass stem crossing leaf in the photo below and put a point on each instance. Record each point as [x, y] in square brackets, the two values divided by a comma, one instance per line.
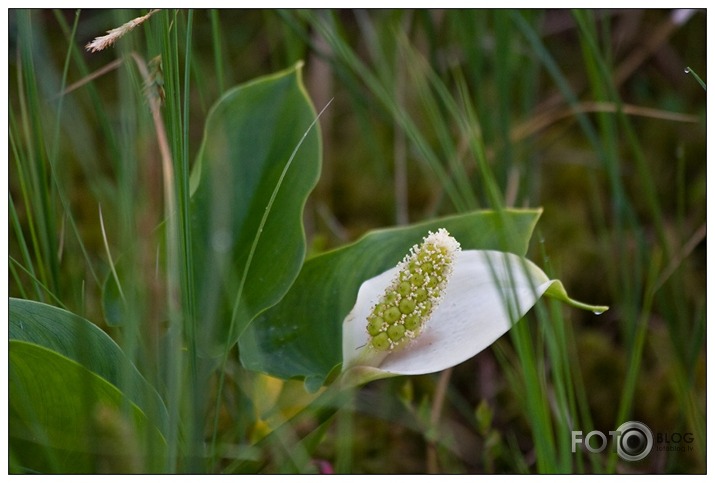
[250, 188]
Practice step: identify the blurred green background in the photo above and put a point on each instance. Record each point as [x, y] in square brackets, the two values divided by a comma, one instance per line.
[589, 114]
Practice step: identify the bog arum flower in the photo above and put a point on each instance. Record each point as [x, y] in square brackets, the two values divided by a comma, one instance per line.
[439, 307]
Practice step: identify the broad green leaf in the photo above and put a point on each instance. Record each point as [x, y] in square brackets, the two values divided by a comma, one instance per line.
[301, 336]
[64, 418]
[86, 344]
[258, 162]
[247, 209]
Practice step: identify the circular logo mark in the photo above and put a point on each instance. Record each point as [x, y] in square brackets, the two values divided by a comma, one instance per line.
[634, 441]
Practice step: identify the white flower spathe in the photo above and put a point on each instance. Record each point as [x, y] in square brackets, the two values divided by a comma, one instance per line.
[487, 293]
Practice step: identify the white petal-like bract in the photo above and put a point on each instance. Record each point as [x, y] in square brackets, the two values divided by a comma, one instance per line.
[487, 293]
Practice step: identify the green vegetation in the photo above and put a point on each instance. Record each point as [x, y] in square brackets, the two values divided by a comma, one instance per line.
[194, 207]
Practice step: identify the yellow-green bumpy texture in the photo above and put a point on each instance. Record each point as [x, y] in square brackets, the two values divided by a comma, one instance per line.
[407, 304]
